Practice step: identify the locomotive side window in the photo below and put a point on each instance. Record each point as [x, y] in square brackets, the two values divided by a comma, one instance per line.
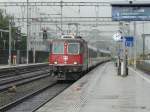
[58, 47]
[73, 48]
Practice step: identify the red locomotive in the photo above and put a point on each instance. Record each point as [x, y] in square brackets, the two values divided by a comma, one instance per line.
[71, 56]
[68, 57]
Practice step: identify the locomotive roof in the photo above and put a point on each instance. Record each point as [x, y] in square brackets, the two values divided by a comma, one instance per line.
[70, 39]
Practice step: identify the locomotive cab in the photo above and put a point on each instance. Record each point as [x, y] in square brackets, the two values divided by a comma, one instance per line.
[68, 57]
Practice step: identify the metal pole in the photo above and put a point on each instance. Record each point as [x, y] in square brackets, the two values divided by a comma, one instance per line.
[10, 37]
[124, 57]
[143, 36]
[143, 46]
[135, 44]
[4, 44]
[61, 5]
[119, 60]
[34, 49]
[68, 28]
[27, 34]
[77, 29]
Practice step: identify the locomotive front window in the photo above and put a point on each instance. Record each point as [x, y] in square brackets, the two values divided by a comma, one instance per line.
[73, 48]
[58, 48]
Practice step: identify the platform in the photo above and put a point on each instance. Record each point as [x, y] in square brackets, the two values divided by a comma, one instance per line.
[102, 90]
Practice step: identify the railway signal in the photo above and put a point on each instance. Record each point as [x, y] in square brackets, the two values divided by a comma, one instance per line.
[44, 34]
[18, 34]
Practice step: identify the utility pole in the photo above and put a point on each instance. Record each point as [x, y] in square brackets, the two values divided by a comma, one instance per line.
[10, 37]
[77, 29]
[4, 44]
[61, 6]
[34, 48]
[135, 44]
[69, 28]
[27, 33]
[18, 44]
[143, 36]
[97, 14]
[124, 58]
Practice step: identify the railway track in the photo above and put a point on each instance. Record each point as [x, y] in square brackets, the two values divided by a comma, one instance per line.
[6, 84]
[24, 78]
[10, 72]
[17, 75]
[35, 100]
[20, 79]
[39, 80]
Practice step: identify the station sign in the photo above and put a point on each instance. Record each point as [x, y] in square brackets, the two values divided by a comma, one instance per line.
[129, 41]
[131, 12]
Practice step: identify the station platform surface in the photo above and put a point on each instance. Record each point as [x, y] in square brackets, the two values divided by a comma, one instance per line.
[102, 90]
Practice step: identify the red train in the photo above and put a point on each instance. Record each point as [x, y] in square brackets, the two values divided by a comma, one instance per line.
[69, 57]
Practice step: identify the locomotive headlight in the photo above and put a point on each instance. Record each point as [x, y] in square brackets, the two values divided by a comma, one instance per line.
[55, 62]
[75, 63]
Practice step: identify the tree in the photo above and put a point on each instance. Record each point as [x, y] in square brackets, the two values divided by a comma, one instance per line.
[16, 36]
[4, 25]
[4, 20]
[23, 42]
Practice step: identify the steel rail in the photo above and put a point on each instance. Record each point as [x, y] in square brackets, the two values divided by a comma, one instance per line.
[17, 72]
[20, 100]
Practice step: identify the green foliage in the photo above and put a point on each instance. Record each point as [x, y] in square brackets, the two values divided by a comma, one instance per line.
[23, 42]
[20, 41]
[4, 20]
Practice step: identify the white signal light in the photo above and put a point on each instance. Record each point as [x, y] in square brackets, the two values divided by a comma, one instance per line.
[55, 62]
[75, 63]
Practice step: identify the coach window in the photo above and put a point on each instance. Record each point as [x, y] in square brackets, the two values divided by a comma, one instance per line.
[73, 48]
[82, 48]
[58, 47]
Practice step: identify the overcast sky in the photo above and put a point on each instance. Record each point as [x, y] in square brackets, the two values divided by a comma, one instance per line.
[74, 11]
